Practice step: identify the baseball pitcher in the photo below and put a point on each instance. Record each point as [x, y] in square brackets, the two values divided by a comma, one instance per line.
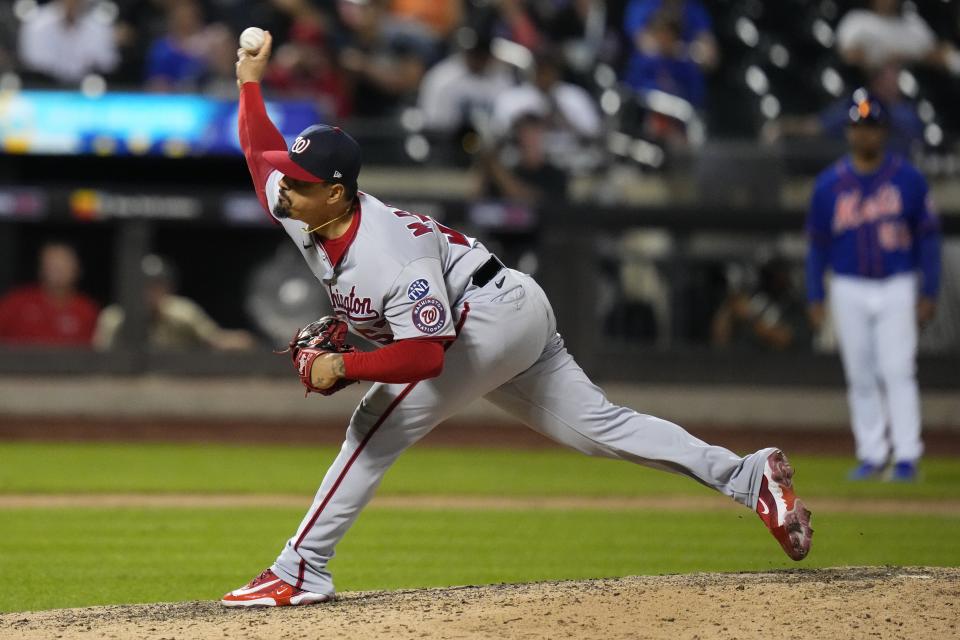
[452, 325]
[872, 222]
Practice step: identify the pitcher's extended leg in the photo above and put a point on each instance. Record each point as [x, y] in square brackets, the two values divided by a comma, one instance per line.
[556, 398]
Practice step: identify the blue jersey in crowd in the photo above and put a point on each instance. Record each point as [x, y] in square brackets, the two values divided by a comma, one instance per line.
[694, 18]
[872, 225]
[679, 77]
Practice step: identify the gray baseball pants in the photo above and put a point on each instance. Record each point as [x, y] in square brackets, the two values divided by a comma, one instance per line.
[507, 351]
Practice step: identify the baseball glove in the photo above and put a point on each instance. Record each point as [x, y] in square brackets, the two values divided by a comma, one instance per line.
[326, 335]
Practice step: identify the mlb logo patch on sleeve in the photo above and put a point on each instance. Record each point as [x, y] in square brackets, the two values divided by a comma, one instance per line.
[429, 315]
[418, 289]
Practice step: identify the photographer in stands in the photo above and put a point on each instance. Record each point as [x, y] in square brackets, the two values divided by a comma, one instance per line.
[175, 322]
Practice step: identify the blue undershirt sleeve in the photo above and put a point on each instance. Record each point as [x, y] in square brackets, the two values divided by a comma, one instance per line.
[819, 239]
[926, 233]
[817, 258]
[928, 250]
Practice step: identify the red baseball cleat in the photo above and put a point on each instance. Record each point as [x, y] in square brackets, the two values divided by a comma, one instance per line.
[781, 510]
[267, 590]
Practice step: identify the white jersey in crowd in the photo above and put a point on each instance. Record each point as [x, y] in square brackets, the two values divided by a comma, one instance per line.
[67, 52]
[451, 95]
[577, 108]
[885, 39]
[402, 276]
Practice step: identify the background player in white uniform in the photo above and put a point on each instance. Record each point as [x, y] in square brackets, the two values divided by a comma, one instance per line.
[456, 326]
[871, 221]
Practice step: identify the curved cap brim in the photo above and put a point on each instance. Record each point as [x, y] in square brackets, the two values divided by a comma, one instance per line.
[280, 160]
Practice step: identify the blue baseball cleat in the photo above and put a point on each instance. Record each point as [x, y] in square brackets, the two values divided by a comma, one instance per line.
[904, 471]
[866, 471]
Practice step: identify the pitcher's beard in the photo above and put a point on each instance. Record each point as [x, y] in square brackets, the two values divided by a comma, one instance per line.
[280, 211]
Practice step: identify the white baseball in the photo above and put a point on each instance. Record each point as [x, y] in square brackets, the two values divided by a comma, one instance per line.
[252, 39]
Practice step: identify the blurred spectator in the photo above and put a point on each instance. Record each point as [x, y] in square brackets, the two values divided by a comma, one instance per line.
[8, 37]
[180, 60]
[516, 24]
[696, 41]
[884, 34]
[942, 335]
[527, 177]
[672, 45]
[463, 86]
[304, 66]
[385, 59]
[66, 40]
[906, 127]
[579, 29]
[514, 181]
[269, 15]
[772, 317]
[633, 301]
[175, 322]
[563, 19]
[440, 16]
[571, 114]
[139, 22]
[52, 312]
[221, 77]
[665, 66]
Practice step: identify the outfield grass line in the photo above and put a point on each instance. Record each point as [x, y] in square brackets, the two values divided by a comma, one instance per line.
[885, 506]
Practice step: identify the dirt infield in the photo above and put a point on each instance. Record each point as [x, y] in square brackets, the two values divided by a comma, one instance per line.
[875, 603]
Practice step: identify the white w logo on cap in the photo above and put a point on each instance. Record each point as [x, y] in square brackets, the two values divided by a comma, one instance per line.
[300, 145]
[337, 174]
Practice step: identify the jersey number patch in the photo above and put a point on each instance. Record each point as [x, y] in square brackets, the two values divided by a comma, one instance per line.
[421, 226]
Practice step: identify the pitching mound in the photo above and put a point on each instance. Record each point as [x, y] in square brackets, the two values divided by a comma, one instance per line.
[826, 603]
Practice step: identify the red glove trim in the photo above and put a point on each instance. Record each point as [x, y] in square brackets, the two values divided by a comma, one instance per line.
[303, 363]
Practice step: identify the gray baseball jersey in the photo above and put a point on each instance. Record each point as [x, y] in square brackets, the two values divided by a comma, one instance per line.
[403, 275]
[407, 276]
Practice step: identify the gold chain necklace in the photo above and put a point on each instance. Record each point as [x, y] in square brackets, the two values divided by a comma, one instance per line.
[329, 222]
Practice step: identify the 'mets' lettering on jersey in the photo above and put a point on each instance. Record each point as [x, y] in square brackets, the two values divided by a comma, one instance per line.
[872, 225]
[852, 209]
[884, 208]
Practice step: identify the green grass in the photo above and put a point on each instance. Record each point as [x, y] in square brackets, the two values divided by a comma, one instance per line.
[78, 557]
[122, 468]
